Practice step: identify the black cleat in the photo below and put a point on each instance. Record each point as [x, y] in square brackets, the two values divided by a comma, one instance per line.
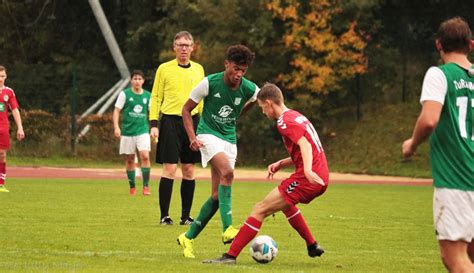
[315, 250]
[186, 221]
[225, 259]
[166, 221]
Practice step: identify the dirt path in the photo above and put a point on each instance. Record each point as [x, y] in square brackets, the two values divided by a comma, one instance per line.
[201, 174]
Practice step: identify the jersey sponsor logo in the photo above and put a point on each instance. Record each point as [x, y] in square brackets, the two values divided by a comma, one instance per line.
[2, 107]
[138, 108]
[5, 98]
[217, 95]
[225, 111]
[292, 186]
[237, 101]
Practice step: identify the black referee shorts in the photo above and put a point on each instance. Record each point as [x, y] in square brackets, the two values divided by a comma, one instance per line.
[173, 142]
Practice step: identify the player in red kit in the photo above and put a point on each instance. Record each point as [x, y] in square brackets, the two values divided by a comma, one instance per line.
[310, 179]
[7, 101]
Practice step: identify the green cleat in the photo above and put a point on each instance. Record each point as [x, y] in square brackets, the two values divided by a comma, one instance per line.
[187, 245]
[3, 189]
[229, 234]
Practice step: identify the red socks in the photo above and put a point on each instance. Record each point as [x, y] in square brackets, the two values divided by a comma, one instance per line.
[297, 221]
[3, 172]
[246, 233]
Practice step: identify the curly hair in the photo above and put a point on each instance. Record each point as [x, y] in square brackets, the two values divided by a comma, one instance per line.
[240, 55]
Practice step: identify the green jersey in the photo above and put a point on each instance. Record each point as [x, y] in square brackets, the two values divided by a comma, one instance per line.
[134, 108]
[452, 142]
[222, 105]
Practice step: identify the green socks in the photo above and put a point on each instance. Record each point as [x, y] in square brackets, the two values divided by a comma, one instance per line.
[205, 214]
[225, 205]
[131, 178]
[145, 176]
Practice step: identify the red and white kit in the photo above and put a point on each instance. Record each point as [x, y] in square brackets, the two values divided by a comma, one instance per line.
[7, 101]
[297, 189]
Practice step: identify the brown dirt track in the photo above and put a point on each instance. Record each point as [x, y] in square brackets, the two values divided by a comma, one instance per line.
[201, 174]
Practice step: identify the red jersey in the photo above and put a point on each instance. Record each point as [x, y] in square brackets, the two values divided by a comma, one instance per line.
[292, 126]
[7, 101]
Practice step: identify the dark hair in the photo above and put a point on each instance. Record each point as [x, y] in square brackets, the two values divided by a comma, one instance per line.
[185, 34]
[137, 72]
[240, 55]
[455, 35]
[271, 92]
[2, 68]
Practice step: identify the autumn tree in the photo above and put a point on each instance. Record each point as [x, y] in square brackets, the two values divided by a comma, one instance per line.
[321, 58]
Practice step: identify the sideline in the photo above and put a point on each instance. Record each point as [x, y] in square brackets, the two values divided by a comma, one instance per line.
[244, 175]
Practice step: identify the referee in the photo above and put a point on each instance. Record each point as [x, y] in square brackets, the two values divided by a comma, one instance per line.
[174, 80]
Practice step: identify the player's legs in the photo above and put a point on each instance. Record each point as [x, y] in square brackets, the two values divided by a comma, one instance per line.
[4, 146]
[207, 211]
[453, 217]
[188, 185]
[165, 191]
[454, 256]
[272, 203]
[144, 147]
[167, 153]
[224, 170]
[3, 169]
[145, 168]
[127, 148]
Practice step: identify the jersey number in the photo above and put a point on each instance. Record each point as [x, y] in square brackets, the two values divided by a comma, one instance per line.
[462, 104]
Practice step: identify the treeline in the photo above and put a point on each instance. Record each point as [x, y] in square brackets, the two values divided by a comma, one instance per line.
[333, 58]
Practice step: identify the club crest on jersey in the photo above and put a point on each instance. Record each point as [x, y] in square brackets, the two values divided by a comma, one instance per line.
[292, 187]
[237, 101]
[144, 101]
[225, 111]
[5, 98]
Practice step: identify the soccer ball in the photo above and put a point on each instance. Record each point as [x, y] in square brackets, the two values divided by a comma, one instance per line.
[263, 249]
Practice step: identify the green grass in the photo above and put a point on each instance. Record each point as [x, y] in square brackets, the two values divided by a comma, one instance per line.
[53, 225]
[373, 144]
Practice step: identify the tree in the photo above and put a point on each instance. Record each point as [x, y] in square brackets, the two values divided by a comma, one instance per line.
[321, 58]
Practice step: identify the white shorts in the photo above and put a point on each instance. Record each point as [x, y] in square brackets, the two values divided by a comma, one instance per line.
[214, 145]
[453, 214]
[129, 144]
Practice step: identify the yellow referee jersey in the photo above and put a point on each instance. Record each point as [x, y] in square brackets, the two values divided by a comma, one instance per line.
[171, 88]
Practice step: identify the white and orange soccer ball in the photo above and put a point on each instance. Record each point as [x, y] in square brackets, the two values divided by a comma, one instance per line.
[263, 249]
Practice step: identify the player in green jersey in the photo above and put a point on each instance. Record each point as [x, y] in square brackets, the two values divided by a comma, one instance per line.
[447, 116]
[133, 133]
[226, 95]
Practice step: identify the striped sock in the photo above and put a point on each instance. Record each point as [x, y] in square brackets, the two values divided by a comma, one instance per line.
[247, 232]
[296, 220]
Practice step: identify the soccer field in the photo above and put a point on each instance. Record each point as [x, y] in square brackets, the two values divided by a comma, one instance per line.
[54, 225]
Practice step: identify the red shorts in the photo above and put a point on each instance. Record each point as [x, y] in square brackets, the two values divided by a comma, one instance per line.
[298, 190]
[4, 139]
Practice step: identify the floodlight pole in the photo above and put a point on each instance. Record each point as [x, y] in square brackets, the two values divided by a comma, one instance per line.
[117, 55]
